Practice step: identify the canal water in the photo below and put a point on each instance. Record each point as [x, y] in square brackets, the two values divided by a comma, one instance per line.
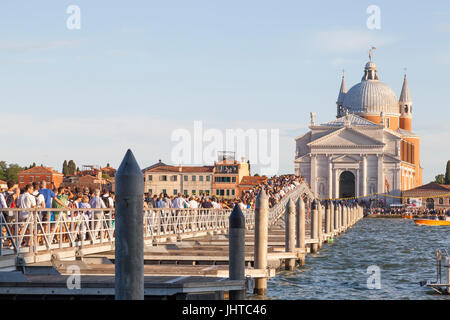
[405, 254]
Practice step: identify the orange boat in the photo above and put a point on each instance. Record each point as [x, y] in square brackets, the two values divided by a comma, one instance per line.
[431, 222]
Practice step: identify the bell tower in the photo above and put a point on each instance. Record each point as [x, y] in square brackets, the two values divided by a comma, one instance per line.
[405, 105]
[340, 100]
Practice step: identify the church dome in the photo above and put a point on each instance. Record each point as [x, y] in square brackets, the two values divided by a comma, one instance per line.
[370, 95]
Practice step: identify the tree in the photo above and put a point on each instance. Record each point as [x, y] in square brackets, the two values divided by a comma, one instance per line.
[105, 176]
[71, 167]
[447, 173]
[439, 179]
[65, 168]
[107, 165]
[12, 172]
[3, 169]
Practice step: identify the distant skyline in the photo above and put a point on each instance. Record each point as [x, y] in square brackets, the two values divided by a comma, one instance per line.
[138, 70]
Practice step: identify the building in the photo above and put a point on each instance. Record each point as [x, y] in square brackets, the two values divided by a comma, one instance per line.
[221, 180]
[369, 148]
[430, 196]
[90, 181]
[37, 174]
[3, 185]
[171, 180]
[228, 175]
[250, 182]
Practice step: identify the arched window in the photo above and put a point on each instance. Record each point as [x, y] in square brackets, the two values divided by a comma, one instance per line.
[441, 200]
[406, 108]
[321, 188]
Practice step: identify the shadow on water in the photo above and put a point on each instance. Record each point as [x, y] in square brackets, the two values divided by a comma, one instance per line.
[403, 252]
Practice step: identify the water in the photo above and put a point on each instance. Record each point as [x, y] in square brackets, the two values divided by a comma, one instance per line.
[404, 252]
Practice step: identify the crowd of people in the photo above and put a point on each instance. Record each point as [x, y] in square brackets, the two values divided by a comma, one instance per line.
[41, 196]
[48, 196]
[412, 211]
[276, 188]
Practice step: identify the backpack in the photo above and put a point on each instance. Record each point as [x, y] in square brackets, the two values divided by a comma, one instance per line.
[10, 203]
[106, 201]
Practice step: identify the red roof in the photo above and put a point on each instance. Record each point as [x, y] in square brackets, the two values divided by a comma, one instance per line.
[184, 169]
[40, 169]
[2, 182]
[252, 180]
[428, 189]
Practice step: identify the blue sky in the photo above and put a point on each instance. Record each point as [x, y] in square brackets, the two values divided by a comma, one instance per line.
[138, 70]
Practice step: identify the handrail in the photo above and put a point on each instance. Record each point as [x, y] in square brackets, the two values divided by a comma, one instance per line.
[31, 231]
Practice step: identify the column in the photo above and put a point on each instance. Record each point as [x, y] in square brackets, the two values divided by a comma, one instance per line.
[380, 174]
[357, 184]
[364, 176]
[314, 173]
[330, 178]
[336, 183]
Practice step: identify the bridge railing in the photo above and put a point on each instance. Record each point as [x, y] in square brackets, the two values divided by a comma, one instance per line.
[31, 231]
[278, 211]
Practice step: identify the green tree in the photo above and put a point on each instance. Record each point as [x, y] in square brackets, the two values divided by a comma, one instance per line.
[71, 167]
[3, 169]
[12, 172]
[105, 176]
[65, 168]
[439, 179]
[107, 165]
[447, 173]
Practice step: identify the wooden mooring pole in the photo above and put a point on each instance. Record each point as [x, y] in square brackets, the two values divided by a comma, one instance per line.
[301, 228]
[236, 250]
[129, 231]
[261, 239]
[314, 226]
[290, 234]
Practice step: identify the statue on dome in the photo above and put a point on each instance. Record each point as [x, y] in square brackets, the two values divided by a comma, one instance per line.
[371, 53]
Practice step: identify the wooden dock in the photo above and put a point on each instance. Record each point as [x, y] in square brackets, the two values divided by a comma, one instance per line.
[178, 266]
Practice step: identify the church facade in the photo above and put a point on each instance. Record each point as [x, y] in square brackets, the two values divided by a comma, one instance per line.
[369, 148]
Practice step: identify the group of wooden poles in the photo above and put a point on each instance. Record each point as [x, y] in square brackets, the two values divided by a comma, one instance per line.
[326, 221]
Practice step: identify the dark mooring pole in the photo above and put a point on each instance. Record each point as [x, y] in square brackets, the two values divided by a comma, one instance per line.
[236, 250]
[129, 264]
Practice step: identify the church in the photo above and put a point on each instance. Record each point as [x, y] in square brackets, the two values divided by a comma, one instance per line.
[368, 149]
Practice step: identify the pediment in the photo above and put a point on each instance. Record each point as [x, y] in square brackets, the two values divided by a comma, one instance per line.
[347, 158]
[346, 137]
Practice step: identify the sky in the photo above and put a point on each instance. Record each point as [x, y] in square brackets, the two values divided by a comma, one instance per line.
[137, 71]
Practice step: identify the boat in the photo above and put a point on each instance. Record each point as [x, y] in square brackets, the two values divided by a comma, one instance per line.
[407, 215]
[433, 222]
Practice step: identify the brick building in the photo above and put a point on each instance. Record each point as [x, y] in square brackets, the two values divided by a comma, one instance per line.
[171, 180]
[432, 196]
[249, 182]
[37, 174]
[228, 175]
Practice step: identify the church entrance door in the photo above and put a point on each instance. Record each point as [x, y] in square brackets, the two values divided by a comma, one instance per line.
[346, 185]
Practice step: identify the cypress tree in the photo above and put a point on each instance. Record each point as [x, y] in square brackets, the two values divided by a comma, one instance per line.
[71, 167]
[65, 169]
[447, 173]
